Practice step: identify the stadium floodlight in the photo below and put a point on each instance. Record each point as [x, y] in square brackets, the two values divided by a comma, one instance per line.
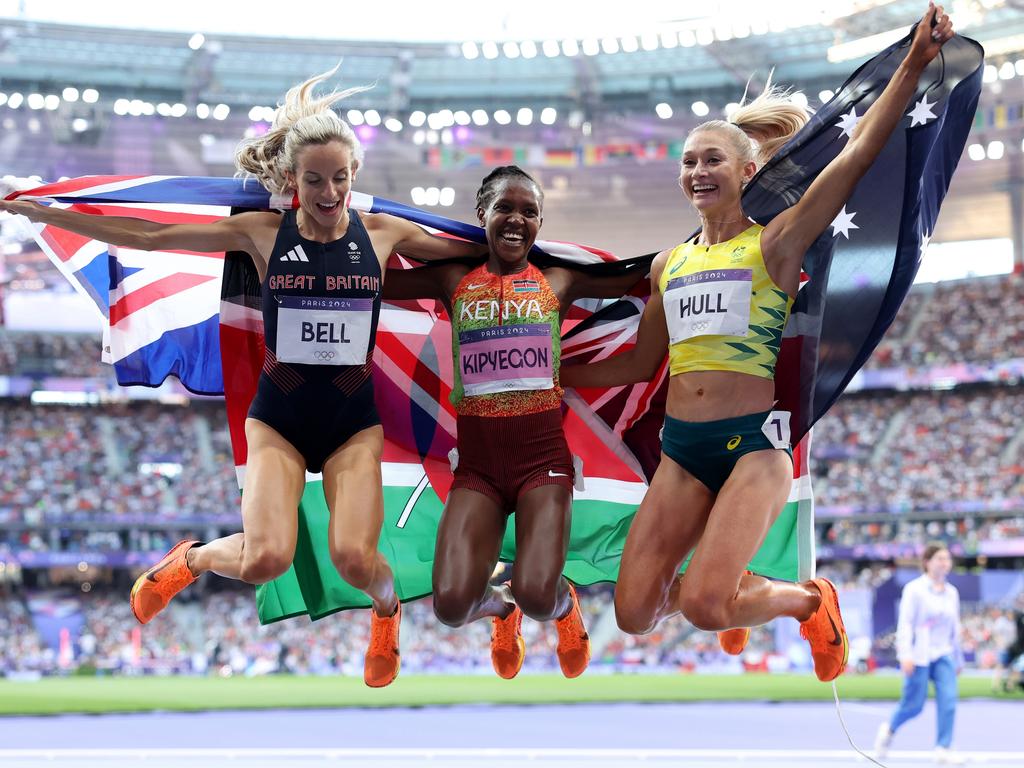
[825, 96]
[510, 49]
[3, 98]
[52, 101]
[470, 50]
[447, 137]
[462, 117]
[700, 108]
[70, 94]
[121, 107]
[447, 118]
[731, 107]
[705, 36]
[759, 26]
[90, 95]
[372, 117]
[591, 47]
[202, 111]
[629, 44]
[723, 32]
[995, 150]
[799, 98]
[447, 196]
[79, 125]
[570, 48]
[864, 46]
[207, 139]
[34, 125]
[1006, 71]
[610, 45]
[524, 116]
[480, 117]
[417, 118]
[434, 121]
[148, 108]
[1018, 67]
[433, 196]
[419, 136]
[163, 109]
[669, 39]
[197, 41]
[976, 152]
[135, 107]
[15, 100]
[687, 38]
[548, 115]
[36, 101]
[418, 195]
[179, 110]
[255, 114]
[740, 30]
[355, 117]
[502, 117]
[528, 49]
[221, 112]
[393, 124]
[490, 49]
[663, 110]
[649, 41]
[432, 137]
[551, 48]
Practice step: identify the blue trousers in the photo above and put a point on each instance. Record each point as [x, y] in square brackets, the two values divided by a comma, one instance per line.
[942, 672]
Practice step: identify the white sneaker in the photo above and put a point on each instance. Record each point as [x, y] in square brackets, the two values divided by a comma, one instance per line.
[945, 756]
[882, 740]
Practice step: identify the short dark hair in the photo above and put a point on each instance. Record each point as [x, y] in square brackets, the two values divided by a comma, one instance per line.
[489, 186]
[932, 548]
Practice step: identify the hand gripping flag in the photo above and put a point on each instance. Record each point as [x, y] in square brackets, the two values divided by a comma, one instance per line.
[858, 273]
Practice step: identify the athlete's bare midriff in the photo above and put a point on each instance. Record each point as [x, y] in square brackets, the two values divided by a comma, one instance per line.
[713, 395]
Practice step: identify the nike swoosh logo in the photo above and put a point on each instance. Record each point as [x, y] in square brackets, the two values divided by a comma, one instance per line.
[473, 287]
[835, 631]
[151, 575]
[556, 474]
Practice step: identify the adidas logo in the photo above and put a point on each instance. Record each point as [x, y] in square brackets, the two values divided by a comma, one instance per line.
[295, 254]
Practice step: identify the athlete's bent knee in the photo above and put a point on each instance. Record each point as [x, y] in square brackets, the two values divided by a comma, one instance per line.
[355, 565]
[453, 607]
[634, 619]
[261, 566]
[705, 610]
[538, 601]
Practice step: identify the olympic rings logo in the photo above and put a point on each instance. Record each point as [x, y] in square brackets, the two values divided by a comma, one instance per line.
[701, 325]
[321, 355]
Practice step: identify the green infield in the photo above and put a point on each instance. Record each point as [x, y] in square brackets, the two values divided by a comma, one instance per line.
[138, 694]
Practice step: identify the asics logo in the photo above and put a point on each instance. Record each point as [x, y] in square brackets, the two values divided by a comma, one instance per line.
[678, 266]
[734, 441]
[295, 254]
[322, 355]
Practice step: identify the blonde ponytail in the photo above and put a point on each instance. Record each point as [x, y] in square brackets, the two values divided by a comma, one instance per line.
[759, 128]
[300, 121]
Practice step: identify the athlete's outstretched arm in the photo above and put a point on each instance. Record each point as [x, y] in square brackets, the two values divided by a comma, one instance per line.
[572, 284]
[641, 362]
[791, 233]
[230, 234]
[412, 240]
[433, 281]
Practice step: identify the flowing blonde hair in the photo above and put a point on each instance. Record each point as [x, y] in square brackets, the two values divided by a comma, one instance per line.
[760, 127]
[300, 121]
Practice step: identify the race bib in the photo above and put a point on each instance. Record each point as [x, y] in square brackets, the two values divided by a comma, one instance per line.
[323, 331]
[715, 302]
[505, 358]
[776, 429]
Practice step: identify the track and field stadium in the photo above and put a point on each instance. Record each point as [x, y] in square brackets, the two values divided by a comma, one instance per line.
[127, 373]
